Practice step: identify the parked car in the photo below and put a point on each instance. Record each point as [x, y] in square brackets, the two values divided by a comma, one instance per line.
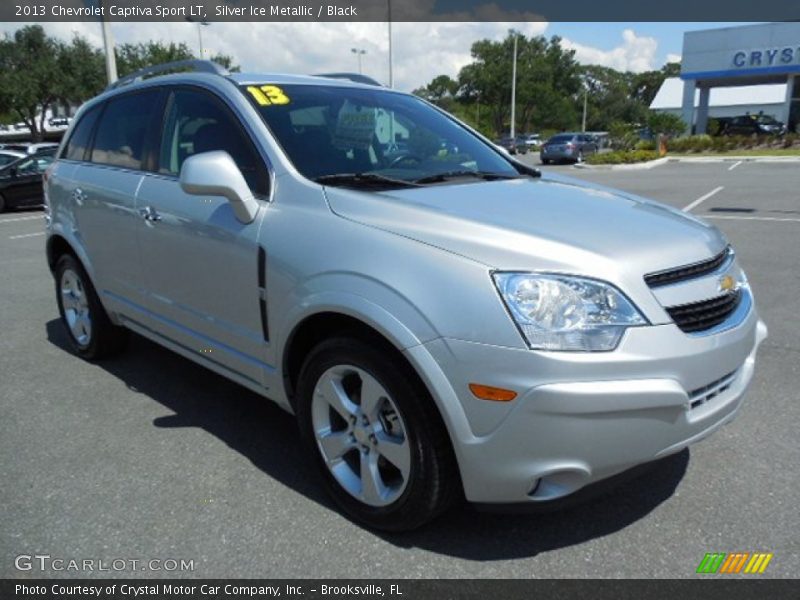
[512, 145]
[9, 156]
[441, 326]
[31, 148]
[572, 147]
[531, 140]
[751, 125]
[21, 181]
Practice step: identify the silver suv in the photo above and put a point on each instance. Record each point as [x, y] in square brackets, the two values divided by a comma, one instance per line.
[444, 321]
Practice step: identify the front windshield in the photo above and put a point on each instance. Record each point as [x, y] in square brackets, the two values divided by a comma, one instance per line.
[329, 130]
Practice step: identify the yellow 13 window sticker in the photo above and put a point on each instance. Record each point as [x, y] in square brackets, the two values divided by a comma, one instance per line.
[267, 95]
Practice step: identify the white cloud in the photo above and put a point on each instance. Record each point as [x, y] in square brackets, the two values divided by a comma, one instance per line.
[421, 50]
[673, 58]
[635, 54]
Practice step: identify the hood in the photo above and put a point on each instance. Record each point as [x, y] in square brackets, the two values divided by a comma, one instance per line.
[548, 223]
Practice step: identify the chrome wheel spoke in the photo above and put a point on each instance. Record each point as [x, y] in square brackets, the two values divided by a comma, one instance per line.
[372, 488]
[335, 444]
[396, 451]
[331, 389]
[83, 325]
[68, 300]
[372, 395]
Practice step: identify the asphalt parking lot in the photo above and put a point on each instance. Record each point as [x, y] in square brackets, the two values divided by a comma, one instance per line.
[149, 456]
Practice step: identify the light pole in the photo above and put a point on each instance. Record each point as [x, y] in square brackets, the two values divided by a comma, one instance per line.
[200, 25]
[108, 45]
[359, 52]
[585, 99]
[391, 75]
[514, 89]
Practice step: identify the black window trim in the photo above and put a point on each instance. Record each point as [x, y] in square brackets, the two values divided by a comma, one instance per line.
[265, 171]
[100, 107]
[150, 133]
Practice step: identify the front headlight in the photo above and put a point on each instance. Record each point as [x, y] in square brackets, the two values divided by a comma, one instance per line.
[561, 312]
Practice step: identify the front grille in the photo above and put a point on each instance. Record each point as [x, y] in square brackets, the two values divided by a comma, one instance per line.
[708, 392]
[687, 272]
[700, 316]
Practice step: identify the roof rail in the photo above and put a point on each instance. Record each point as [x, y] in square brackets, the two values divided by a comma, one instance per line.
[197, 66]
[356, 77]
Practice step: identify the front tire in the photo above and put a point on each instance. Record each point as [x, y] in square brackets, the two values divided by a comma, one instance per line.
[2, 204]
[375, 434]
[91, 333]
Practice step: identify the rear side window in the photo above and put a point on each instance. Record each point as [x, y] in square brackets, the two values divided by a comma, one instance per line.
[121, 134]
[197, 122]
[81, 136]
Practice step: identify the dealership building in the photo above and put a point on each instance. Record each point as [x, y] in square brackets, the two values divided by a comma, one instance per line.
[749, 55]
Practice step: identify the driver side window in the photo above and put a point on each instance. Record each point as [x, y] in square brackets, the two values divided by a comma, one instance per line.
[196, 122]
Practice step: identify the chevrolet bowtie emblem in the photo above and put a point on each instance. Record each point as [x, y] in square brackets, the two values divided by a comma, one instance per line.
[727, 283]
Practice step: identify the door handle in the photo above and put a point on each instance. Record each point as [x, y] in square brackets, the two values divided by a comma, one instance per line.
[149, 213]
[78, 196]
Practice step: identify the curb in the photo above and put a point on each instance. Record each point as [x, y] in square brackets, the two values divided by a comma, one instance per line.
[719, 159]
[631, 167]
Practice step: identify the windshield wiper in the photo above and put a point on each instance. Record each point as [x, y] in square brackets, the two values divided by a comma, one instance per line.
[445, 175]
[369, 179]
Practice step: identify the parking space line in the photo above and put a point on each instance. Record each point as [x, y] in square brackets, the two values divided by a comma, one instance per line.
[734, 165]
[26, 235]
[17, 219]
[732, 218]
[702, 198]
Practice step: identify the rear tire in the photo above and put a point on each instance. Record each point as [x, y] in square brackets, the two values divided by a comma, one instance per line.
[2, 204]
[91, 333]
[375, 435]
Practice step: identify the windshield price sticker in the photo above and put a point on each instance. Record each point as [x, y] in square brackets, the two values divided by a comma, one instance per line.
[355, 127]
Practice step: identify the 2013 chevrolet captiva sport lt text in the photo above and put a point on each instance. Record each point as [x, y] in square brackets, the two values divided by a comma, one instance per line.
[444, 321]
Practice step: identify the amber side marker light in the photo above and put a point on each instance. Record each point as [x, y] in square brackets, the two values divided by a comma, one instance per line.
[487, 392]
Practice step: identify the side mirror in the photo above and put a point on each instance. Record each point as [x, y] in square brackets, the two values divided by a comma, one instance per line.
[215, 174]
[13, 171]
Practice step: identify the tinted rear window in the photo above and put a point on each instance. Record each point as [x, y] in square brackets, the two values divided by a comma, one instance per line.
[81, 136]
[561, 139]
[122, 130]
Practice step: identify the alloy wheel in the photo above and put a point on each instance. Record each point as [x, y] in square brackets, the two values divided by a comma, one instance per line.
[76, 307]
[361, 435]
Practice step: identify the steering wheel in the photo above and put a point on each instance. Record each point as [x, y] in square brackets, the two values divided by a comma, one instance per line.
[413, 157]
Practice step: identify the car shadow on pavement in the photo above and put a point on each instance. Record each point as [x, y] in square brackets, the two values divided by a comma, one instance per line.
[266, 435]
[610, 507]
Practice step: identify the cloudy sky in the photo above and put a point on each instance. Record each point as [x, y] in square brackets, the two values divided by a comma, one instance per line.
[421, 50]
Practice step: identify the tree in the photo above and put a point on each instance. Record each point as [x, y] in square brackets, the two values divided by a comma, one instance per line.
[85, 65]
[36, 71]
[30, 78]
[665, 123]
[548, 82]
[610, 98]
[441, 91]
[133, 57]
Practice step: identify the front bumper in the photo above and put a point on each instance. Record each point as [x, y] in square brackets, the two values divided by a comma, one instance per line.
[582, 417]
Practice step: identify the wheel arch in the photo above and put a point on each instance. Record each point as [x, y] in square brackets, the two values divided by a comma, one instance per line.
[59, 244]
